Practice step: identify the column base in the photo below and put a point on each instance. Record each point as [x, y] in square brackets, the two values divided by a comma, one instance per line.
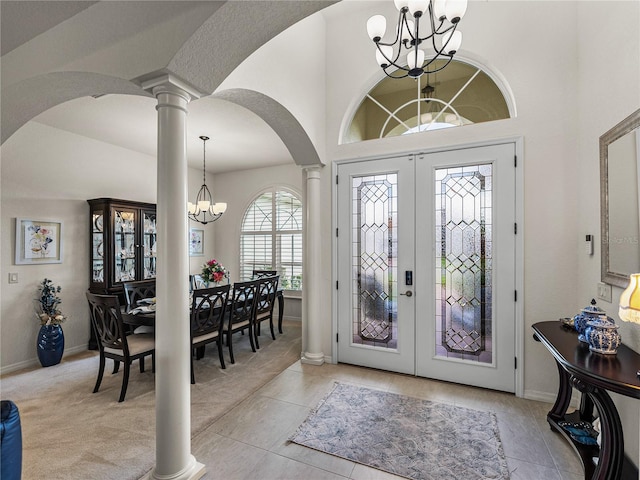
[312, 358]
[195, 471]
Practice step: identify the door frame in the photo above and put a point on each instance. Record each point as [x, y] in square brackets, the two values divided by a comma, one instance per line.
[518, 142]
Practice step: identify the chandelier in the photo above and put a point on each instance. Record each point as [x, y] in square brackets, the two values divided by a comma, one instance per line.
[442, 37]
[204, 210]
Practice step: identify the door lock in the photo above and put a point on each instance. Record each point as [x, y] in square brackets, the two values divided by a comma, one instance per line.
[409, 293]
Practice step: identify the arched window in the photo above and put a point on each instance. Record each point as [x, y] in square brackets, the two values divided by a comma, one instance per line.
[460, 94]
[271, 237]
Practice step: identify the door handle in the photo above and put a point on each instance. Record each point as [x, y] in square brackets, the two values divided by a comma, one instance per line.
[409, 293]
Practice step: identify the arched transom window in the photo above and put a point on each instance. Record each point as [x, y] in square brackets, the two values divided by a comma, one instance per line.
[460, 94]
[271, 237]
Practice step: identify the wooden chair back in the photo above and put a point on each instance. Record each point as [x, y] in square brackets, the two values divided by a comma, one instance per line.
[267, 288]
[208, 307]
[107, 322]
[136, 291]
[257, 274]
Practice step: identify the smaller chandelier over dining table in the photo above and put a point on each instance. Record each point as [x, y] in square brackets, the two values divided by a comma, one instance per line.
[204, 210]
[427, 31]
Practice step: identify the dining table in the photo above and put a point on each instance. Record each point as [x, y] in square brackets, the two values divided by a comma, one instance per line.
[145, 313]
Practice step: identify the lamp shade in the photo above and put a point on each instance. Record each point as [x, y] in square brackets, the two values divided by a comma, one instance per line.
[400, 4]
[630, 300]
[414, 60]
[376, 26]
[380, 55]
[452, 42]
[455, 10]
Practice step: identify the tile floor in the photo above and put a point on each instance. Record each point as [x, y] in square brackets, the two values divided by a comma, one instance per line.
[250, 441]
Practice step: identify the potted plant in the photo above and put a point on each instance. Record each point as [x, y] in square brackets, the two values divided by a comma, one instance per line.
[50, 344]
[214, 272]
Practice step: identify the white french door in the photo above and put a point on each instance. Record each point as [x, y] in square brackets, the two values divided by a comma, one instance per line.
[376, 246]
[426, 265]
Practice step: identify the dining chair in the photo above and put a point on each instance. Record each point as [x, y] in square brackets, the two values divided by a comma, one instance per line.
[242, 306]
[136, 291]
[207, 320]
[113, 341]
[133, 293]
[197, 282]
[257, 274]
[267, 289]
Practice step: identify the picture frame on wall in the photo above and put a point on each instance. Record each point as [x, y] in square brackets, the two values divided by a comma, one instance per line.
[38, 242]
[196, 242]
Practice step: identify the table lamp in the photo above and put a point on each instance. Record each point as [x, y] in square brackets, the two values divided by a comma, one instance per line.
[629, 310]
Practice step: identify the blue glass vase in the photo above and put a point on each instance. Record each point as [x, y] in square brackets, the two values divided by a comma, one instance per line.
[50, 345]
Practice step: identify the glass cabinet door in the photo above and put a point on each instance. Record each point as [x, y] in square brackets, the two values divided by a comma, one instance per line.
[149, 242]
[124, 234]
[97, 253]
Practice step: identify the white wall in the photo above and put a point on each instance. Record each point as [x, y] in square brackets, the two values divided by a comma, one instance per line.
[611, 81]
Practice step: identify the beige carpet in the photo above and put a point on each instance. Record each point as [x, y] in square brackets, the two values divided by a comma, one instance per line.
[70, 433]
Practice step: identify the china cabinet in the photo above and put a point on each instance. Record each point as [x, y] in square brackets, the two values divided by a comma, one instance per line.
[123, 244]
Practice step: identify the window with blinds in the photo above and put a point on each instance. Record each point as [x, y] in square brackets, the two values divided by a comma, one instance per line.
[271, 238]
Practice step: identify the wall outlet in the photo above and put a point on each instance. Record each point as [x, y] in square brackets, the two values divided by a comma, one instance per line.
[13, 277]
[604, 292]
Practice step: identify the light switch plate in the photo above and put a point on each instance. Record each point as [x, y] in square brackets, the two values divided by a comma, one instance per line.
[604, 292]
[13, 277]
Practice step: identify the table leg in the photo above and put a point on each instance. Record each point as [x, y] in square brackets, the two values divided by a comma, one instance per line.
[611, 456]
[280, 310]
[563, 399]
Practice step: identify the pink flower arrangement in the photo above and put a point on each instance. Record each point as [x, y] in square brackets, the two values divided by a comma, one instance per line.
[213, 271]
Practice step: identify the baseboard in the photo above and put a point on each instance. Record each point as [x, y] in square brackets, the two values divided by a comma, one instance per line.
[33, 362]
[551, 397]
[293, 319]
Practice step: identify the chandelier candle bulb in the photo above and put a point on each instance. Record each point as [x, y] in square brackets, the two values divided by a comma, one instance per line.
[400, 4]
[411, 59]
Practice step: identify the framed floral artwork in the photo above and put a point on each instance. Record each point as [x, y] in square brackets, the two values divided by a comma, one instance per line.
[196, 242]
[38, 241]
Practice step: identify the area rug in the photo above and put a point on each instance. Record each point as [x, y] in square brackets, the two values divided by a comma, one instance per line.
[409, 437]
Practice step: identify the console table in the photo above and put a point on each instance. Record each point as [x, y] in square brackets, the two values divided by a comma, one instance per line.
[593, 374]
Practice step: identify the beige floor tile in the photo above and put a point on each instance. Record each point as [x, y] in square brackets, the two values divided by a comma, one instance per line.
[522, 440]
[521, 470]
[362, 472]
[277, 467]
[261, 421]
[312, 457]
[298, 388]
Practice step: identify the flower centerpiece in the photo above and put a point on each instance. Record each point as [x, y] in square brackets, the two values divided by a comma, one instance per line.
[214, 272]
[49, 300]
[50, 343]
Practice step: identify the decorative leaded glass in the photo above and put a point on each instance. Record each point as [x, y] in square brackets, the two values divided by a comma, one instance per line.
[463, 263]
[374, 260]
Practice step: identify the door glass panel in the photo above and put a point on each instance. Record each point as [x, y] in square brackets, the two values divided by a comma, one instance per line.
[125, 246]
[374, 269]
[463, 258]
[150, 246]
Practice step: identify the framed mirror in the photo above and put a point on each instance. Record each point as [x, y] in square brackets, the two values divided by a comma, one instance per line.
[620, 202]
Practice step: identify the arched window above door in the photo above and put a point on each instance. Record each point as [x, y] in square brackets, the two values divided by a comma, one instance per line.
[460, 94]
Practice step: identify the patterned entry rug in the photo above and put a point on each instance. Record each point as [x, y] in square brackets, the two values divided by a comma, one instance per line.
[406, 436]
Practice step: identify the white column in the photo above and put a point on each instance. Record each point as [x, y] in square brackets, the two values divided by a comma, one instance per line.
[316, 309]
[173, 377]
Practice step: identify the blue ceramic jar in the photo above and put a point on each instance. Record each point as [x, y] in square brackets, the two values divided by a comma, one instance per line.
[602, 335]
[587, 314]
